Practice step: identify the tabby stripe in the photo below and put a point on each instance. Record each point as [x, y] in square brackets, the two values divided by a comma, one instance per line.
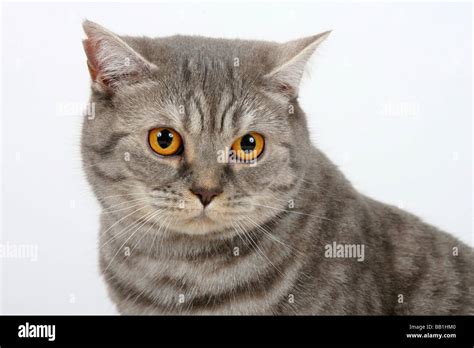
[106, 177]
[200, 111]
[256, 288]
[108, 148]
[128, 292]
[204, 79]
[226, 110]
[253, 289]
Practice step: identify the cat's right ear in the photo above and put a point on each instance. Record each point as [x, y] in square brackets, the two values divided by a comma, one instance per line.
[111, 61]
[292, 57]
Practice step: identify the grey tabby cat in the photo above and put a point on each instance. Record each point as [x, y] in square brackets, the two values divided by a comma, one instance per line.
[216, 202]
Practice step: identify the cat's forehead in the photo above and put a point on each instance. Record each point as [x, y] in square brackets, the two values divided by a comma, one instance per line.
[199, 111]
[202, 112]
[202, 54]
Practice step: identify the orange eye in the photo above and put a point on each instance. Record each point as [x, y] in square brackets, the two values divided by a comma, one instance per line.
[249, 146]
[165, 141]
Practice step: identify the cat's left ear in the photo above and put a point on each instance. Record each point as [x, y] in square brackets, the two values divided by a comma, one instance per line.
[292, 58]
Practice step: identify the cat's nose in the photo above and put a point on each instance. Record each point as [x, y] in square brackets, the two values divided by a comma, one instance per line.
[206, 195]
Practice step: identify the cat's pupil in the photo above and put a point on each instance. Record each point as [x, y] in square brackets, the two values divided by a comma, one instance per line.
[165, 138]
[247, 143]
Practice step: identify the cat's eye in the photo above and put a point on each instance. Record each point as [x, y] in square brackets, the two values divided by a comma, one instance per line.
[165, 141]
[249, 146]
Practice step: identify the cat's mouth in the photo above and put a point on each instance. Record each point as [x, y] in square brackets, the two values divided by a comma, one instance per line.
[202, 217]
[201, 223]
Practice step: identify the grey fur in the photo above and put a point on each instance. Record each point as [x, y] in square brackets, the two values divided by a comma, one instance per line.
[258, 256]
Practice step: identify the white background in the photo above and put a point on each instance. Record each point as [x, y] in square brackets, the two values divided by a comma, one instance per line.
[389, 100]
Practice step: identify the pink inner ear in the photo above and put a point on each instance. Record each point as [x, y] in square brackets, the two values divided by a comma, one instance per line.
[90, 47]
[92, 71]
[92, 64]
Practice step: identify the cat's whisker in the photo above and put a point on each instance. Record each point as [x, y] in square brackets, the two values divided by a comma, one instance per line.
[122, 195]
[121, 219]
[289, 195]
[278, 199]
[269, 235]
[110, 208]
[133, 233]
[138, 201]
[156, 234]
[148, 199]
[125, 229]
[239, 235]
[161, 225]
[167, 222]
[319, 190]
[126, 208]
[300, 253]
[148, 230]
[260, 255]
[138, 194]
[292, 211]
[300, 178]
[257, 248]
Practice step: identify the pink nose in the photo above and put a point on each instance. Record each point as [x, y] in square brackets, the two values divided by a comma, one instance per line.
[206, 195]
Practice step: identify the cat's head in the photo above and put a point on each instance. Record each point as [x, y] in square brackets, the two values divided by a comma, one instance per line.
[197, 134]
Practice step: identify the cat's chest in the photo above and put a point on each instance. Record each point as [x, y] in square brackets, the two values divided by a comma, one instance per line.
[172, 285]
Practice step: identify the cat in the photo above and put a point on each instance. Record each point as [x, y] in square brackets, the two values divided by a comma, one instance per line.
[215, 201]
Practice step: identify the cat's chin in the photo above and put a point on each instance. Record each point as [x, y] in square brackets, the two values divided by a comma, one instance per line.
[199, 225]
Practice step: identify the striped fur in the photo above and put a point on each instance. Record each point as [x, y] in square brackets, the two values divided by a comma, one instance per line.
[262, 250]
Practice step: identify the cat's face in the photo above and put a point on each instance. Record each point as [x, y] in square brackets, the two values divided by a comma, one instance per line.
[200, 136]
